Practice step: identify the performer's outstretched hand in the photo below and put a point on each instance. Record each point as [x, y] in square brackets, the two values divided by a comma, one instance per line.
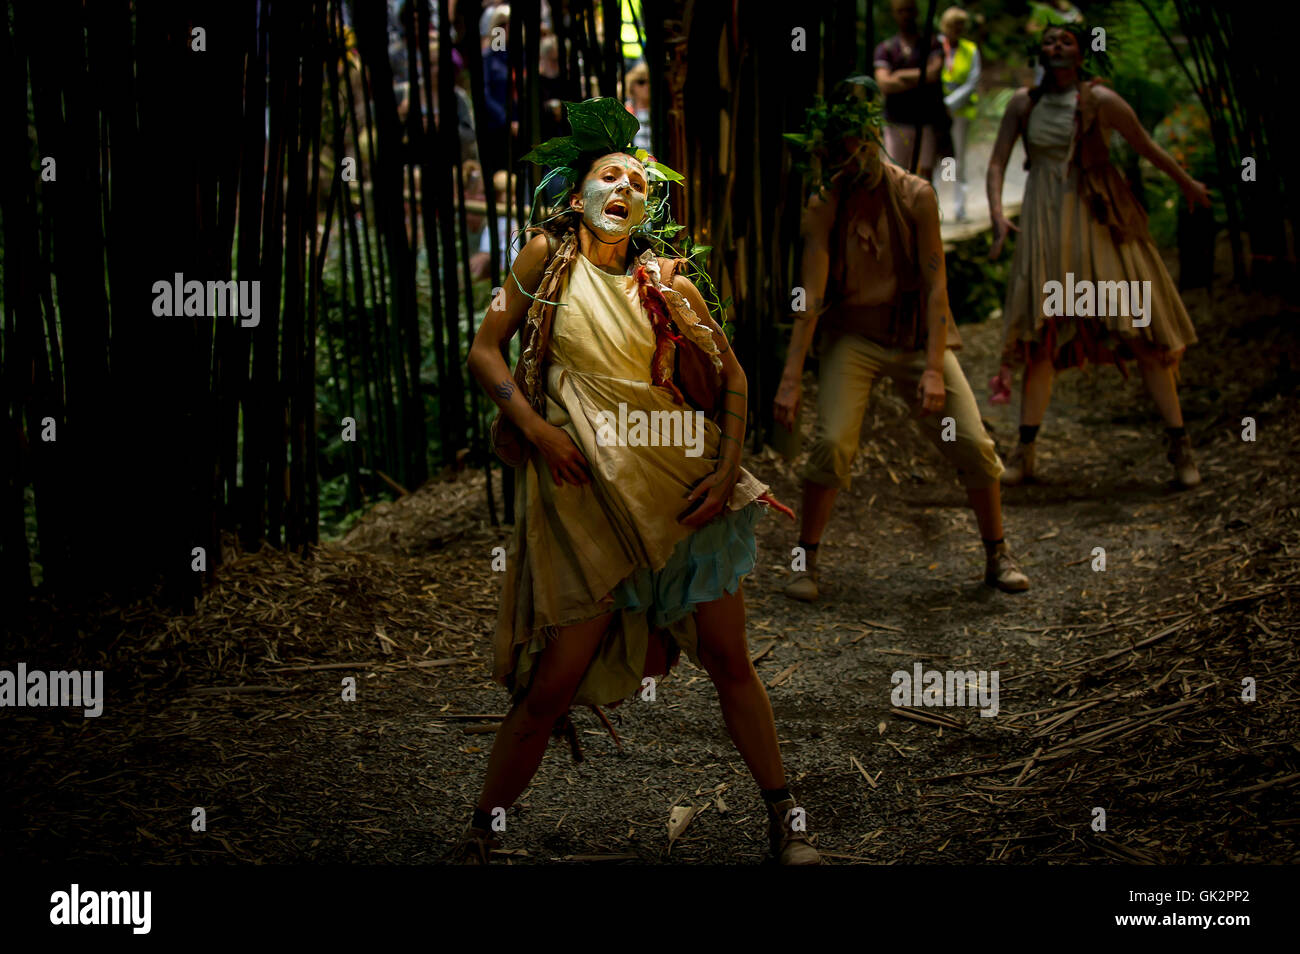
[1196, 194]
[565, 461]
[930, 391]
[786, 406]
[1001, 228]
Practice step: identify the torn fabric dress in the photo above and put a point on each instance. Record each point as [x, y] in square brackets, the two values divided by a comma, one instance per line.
[1079, 217]
[614, 545]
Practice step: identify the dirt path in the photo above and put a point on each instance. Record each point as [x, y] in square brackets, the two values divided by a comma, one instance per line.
[1119, 690]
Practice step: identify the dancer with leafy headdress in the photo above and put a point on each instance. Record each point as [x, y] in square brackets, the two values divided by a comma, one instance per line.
[873, 272]
[1081, 226]
[625, 551]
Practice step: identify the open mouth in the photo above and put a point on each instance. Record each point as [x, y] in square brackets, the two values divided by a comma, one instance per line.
[617, 209]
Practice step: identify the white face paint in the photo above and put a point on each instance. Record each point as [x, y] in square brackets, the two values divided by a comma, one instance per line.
[613, 201]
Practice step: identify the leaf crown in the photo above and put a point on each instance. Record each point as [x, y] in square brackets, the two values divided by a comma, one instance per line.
[602, 125]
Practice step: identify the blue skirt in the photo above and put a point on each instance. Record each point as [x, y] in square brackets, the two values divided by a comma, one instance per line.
[702, 567]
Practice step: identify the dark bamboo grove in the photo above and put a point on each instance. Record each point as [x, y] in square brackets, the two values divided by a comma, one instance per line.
[1235, 61]
[210, 138]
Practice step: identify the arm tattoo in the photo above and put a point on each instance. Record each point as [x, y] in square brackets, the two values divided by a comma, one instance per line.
[933, 263]
[505, 389]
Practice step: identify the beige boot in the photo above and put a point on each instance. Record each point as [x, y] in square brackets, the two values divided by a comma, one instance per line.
[1019, 466]
[1002, 572]
[804, 585]
[1184, 461]
[789, 847]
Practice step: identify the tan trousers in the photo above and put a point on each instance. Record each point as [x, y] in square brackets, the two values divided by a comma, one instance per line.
[850, 364]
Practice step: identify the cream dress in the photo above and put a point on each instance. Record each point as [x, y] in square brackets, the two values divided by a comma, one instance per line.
[1059, 234]
[578, 547]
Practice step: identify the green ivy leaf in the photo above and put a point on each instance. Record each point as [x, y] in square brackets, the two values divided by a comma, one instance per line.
[659, 173]
[561, 151]
[601, 123]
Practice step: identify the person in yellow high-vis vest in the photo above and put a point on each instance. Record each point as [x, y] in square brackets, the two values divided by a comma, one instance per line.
[961, 75]
[628, 35]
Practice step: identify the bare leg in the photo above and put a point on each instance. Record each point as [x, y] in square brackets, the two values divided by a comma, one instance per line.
[521, 740]
[987, 504]
[1159, 379]
[817, 503]
[1036, 392]
[745, 706]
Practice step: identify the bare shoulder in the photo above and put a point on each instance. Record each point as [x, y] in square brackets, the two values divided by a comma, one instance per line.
[683, 285]
[923, 200]
[1109, 102]
[531, 260]
[1020, 102]
[686, 288]
[1104, 94]
[537, 249]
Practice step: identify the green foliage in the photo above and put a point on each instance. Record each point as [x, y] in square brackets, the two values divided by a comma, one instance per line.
[855, 111]
[977, 286]
[333, 502]
[601, 123]
[1145, 72]
[695, 268]
[658, 172]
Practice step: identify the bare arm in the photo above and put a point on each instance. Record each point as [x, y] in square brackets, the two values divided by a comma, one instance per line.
[1006, 141]
[930, 391]
[735, 402]
[899, 81]
[815, 265]
[934, 68]
[504, 316]
[1117, 114]
[896, 81]
[1012, 121]
[814, 269]
[934, 278]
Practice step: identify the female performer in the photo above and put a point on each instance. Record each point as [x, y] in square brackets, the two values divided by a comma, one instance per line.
[627, 548]
[1082, 229]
